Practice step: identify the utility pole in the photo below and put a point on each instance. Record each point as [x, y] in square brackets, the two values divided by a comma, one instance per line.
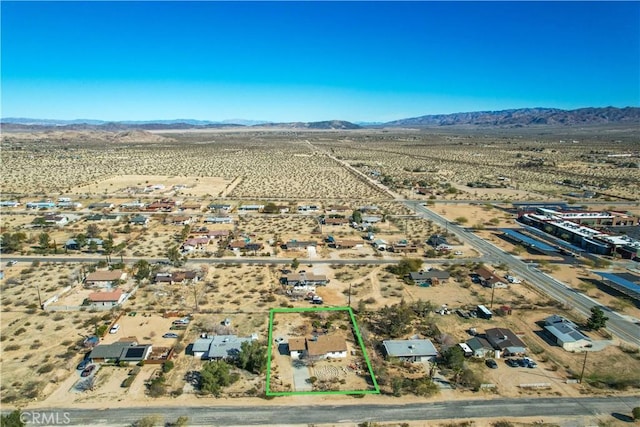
[493, 291]
[584, 364]
[349, 295]
[195, 296]
[39, 298]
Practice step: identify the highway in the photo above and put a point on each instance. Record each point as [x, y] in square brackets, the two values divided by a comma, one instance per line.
[213, 415]
[617, 325]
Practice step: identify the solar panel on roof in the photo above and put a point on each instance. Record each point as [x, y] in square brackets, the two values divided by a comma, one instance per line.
[135, 352]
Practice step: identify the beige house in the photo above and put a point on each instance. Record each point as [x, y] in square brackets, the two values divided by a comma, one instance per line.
[104, 279]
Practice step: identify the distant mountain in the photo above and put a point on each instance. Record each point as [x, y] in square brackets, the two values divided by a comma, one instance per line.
[130, 124]
[527, 117]
[327, 124]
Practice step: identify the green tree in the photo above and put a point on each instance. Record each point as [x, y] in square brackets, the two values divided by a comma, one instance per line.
[356, 216]
[295, 264]
[405, 266]
[12, 242]
[216, 375]
[173, 254]
[44, 241]
[142, 270]
[12, 419]
[597, 320]
[184, 233]
[635, 413]
[81, 240]
[394, 321]
[270, 208]
[107, 244]
[454, 358]
[93, 246]
[252, 357]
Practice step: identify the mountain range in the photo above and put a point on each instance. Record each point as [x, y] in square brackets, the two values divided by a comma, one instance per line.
[504, 118]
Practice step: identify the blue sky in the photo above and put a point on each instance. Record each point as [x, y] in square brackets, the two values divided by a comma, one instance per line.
[307, 61]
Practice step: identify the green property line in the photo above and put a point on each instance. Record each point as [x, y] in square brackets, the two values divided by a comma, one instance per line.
[356, 332]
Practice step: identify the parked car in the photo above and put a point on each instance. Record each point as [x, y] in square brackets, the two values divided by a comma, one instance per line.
[114, 329]
[88, 370]
[83, 364]
[491, 364]
[529, 363]
[512, 362]
[170, 335]
[12, 262]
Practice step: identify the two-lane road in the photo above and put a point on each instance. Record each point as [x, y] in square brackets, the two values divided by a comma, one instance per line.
[355, 413]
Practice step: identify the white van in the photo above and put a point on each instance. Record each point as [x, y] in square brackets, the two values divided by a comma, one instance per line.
[115, 328]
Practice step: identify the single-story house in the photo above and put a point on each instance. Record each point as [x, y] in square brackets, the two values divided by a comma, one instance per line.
[177, 277]
[219, 346]
[106, 299]
[369, 208]
[55, 220]
[104, 278]
[300, 279]
[139, 220]
[251, 208]
[179, 220]
[120, 351]
[336, 221]
[337, 209]
[371, 219]
[348, 243]
[219, 207]
[299, 244]
[405, 248]
[320, 347]
[103, 217]
[253, 247]
[489, 279]
[436, 240]
[101, 205]
[237, 244]
[479, 346]
[565, 333]
[432, 276]
[505, 340]
[163, 205]
[190, 206]
[416, 350]
[219, 220]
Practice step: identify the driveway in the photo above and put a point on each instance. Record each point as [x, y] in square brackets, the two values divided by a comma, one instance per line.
[300, 377]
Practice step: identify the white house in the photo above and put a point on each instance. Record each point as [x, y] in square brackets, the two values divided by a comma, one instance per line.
[565, 333]
[320, 347]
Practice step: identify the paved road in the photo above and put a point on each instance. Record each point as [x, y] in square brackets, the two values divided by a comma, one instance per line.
[618, 325]
[233, 260]
[282, 415]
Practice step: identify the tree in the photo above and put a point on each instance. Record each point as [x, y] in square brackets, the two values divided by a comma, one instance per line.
[214, 376]
[173, 254]
[12, 419]
[405, 266]
[43, 240]
[184, 233]
[12, 242]
[142, 270]
[107, 245]
[270, 208]
[356, 216]
[295, 264]
[454, 358]
[252, 357]
[93, 246]
[93, 231]
[394, 321]
[597, 320]
[635, 413]
[81, 240]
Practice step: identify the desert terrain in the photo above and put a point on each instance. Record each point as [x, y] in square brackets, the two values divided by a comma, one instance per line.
[41, 348]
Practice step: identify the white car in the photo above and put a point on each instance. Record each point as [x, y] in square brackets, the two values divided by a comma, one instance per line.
[114, 329]
[457, 253]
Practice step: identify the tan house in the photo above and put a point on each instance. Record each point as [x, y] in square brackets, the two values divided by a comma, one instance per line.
[104, 279]
[106, 299]
[321, 347]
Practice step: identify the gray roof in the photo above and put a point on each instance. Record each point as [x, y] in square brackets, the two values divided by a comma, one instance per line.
[477, 343]
[504, 339]
[135, 353]
[563, 329]
[220, 346]
[427, 275]
[404, 348]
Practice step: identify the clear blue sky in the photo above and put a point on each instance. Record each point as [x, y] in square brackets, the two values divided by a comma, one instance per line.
[288, 61]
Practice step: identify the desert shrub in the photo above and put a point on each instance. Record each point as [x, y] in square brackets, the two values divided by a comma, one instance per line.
[46, 368]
